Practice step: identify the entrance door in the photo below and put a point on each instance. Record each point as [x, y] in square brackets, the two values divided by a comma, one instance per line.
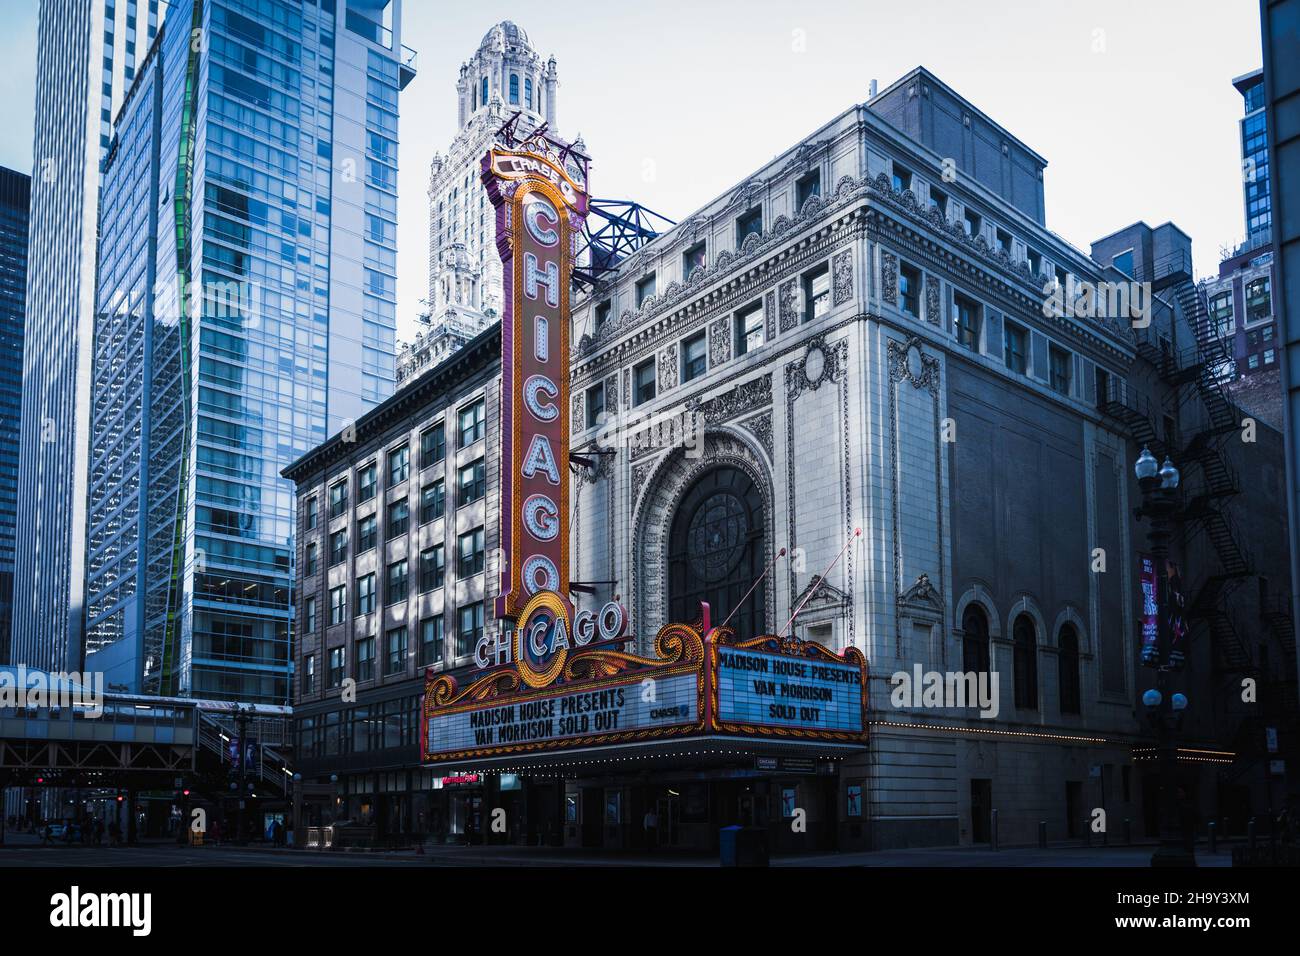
[666, 812]
[981, 805]
[1074, 808]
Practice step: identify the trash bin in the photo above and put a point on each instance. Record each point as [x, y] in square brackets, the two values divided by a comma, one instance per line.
[742, 846]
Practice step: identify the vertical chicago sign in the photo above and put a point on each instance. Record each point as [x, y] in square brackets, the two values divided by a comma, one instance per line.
[540, 209]
[556, 678]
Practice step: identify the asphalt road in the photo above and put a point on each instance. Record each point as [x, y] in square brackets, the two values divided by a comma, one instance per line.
[25, 853]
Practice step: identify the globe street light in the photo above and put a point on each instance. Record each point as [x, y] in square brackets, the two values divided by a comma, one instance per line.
[1159, 486]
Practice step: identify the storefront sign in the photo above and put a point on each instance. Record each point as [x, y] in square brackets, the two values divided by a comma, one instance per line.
[540, 208]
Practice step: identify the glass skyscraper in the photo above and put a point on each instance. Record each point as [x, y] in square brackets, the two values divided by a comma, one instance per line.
[245, 310]
[1254, 159]
[15, 198]
[86, 52]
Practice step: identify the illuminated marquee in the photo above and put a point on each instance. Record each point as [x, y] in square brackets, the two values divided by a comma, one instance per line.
[700, 681]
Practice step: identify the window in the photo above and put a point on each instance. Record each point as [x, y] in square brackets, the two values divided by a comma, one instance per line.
[338, 604]
[514, 89]
[1124, 262]
[749, 223]
[695, 357]
[528, 92]
[749, 329]
[603, 312]
[338, 547]
[1258, 300]
[1025, 662]
[1015, 348]
[973, 223]
[338, 499]
[365, 659]
[1101, 382]
[396, 583]
[1269, 356]
[595, 404]
[433, 501]
[433, 445]
[1068, 669]
[470, 555]
[396, 662]
[1253, 361]
[901, 179]
[715, 550]
[1004, 240]
[816, 293]
[367, 480]
[366, 594]
[312, 565]
[309, 674]
[974, 640]
[1035, 260]
[313, 512]
[909, 290]
[471, 423]
[399, 519]
[805, 187]
[367, 534]
[433, 568]
[431, 638]
[939, 201]
[643, 385]
[336, 667]
[399, 465]
[692, 259]
[483, 92]
[644, 289]
[470, 630]
[309, 615]
[967, 318]
[471, 483]
[1061, 367]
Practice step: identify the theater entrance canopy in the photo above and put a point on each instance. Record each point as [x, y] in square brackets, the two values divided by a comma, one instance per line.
[704, 694]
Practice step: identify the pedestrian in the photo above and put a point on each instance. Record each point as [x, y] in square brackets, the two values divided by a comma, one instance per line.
[47, 834]
[215, 830]
[114, 832]
[650, 823]
[99, 831]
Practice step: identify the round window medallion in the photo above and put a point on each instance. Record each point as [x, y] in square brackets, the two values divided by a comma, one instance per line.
[914, 367]
[814, 366]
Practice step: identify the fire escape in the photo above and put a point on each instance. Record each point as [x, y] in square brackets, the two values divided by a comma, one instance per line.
[1195, 376]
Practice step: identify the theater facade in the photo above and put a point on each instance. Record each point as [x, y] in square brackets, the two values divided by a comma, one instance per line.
[821, 433]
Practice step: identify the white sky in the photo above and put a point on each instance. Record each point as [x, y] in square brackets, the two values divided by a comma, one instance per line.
[1130, 101]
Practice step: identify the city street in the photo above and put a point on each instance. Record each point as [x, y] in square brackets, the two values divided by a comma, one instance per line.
[30, 853]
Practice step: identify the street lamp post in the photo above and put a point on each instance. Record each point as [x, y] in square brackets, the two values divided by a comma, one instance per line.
[1159, 485]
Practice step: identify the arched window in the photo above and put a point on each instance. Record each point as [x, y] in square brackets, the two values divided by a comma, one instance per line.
[475, 97]
[514, 89]
[528, 92]
[715, 552]
[483, 98]
[1068, 669]
[974, 640]
[1025, 662]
